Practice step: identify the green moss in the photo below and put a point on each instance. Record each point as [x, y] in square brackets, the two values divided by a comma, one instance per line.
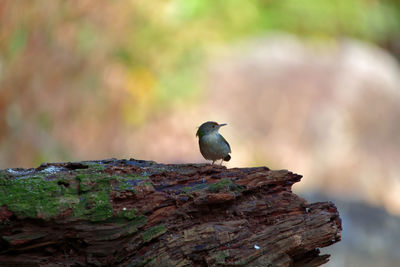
[153, 232]
[93, 181]
[220, 257]
[95, 189]
[39, 197]
[130, 181]
[97, 167]
[139, 221]
[124, 185]
[94, 206]
[85, 191]
[148, 183]
[128, 214]
[3, 178]
[218, 186]
[225, 185]
[84, 182]
[190, 189]
[132, 176]
[34, 196]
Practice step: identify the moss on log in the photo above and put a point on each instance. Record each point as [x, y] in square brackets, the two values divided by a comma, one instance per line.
[141, 213]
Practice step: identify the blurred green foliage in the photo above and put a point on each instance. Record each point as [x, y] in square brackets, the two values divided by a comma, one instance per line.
[64, 64]
[17, 42]
[171, 39]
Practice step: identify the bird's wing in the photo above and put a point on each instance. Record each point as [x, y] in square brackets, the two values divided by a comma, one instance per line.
[226, 142]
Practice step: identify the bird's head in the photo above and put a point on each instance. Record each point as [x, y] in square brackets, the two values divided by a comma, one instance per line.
[208, 127]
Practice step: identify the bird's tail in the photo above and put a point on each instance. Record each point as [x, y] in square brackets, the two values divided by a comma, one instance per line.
[227, 158]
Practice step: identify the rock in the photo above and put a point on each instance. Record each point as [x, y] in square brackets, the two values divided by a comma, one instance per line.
[141, 213]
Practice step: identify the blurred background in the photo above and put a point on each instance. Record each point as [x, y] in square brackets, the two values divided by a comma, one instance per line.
[310, 86]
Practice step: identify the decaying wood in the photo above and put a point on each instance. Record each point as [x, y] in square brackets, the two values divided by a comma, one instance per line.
[140, 213]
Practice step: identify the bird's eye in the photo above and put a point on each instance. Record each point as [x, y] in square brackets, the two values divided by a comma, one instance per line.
[213, 126]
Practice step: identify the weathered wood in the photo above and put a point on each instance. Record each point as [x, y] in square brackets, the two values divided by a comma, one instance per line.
[140, 213]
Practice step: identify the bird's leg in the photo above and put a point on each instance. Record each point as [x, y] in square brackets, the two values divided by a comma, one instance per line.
[222, 160]
[213, 162]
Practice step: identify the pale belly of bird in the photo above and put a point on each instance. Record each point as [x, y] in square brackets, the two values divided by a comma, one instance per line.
[213, 147]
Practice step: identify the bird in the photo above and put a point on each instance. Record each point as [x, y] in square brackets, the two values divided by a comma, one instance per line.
[213, 146]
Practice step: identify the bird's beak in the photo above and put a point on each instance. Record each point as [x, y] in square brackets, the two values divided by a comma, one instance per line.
[223, 124]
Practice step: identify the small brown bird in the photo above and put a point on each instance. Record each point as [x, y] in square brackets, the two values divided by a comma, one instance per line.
[213, 146]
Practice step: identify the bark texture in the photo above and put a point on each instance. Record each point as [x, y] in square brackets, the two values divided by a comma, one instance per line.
[141, 213]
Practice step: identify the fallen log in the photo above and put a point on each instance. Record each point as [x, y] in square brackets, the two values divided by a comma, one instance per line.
[141, 213]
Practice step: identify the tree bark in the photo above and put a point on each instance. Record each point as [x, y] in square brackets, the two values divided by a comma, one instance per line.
[141, 213]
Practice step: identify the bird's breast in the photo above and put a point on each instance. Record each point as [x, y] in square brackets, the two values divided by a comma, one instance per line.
[213, 146]
[211, 139]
